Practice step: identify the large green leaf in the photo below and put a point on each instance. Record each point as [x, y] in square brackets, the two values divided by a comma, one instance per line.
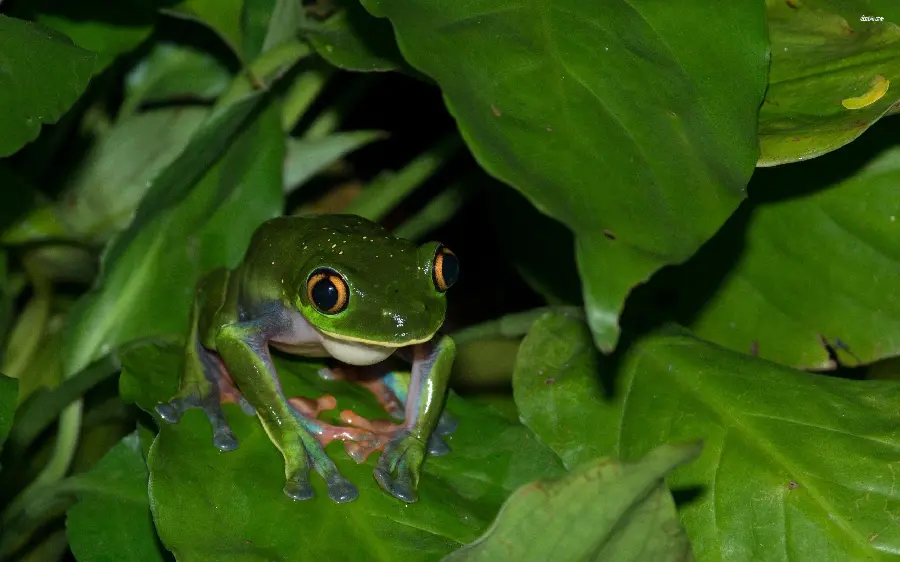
[9, 393]
[104, 191]
[213, 506]
[822, 53]
[172, 71]
[43, 75]
[149, 275]
[112, 520]
[632, 123]
[795, 466]
[603, 511]
[105, 28]
[811, 263]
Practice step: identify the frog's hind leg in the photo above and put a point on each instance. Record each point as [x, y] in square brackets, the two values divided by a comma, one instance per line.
[205, 384]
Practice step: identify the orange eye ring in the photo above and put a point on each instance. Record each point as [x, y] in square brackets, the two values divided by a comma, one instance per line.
[445, 271]
[327, 291]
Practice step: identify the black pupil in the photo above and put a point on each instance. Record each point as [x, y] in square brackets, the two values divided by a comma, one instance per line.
[325, 294]
[450, 269]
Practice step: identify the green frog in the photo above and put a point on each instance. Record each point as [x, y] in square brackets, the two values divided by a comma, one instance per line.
[336, 286]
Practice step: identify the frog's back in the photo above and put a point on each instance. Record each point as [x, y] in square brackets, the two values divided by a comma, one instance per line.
[298, 236]
[284, 233]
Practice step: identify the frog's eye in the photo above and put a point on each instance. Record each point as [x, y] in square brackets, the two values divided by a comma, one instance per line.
[446, 269]
[327, 290]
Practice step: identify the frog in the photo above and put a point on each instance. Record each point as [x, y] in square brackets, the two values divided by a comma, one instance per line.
[334, 286]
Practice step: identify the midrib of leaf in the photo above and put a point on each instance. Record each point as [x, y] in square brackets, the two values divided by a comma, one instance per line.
[547, 30]
[831, 513]
[836, 69]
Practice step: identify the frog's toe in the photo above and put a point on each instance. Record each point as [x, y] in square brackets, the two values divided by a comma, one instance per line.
[224, 439]
[169, 412]
[446, 425]
[400, 488]
[403, 456]
[299, 489]
[172, 410]
[436, 445]
[246, 407]
[340, 490]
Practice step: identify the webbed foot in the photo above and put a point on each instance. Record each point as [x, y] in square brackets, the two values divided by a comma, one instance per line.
[207, 385]
[446, 425]
[313, 436]
[397, 384]
[171, 412]
[340, 490]
[397, 470]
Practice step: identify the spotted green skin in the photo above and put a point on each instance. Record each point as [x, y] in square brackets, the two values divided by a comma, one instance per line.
[393, 301]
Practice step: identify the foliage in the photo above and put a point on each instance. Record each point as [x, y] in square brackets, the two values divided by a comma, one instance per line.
[652, 280]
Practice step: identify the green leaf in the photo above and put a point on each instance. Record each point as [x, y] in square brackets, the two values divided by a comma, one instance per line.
[27, 333]
[822, 54]
[43, 406]
[108, 29]
[604, 510]
[104, 191]
[354, 40]
[151, 268]
[303, 91]
[812, 263]
[225, 17]
[268, 24]
[9, 393]
[7, 298]
[563, 102]
[43, 75]
[112, 520]
[389, 188]
[438, 211]
[307, 157]
[53, 546]
[172, 71]
[44, 369]
[795, 466]
[208, 505]
[542, 388]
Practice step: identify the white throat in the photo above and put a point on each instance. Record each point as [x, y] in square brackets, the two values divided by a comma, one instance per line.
[353, 352]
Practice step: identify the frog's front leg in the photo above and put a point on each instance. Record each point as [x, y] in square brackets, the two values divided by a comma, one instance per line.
[205, 384]
[244, 347]
[446, 425]
[397, 470]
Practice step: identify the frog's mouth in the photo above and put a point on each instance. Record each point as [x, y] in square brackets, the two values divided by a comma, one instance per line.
[355, 351]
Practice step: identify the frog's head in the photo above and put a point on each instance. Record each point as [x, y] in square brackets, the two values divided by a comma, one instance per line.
[368, 293]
